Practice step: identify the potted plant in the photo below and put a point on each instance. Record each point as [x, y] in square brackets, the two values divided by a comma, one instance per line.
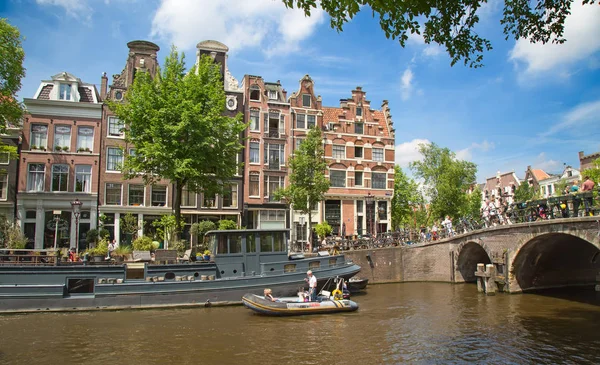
[81, 149]
[65, 148]
[99, 252]
[57, 148]
[87, 149]
[33, 147]
[206, 255]
[142, 243]
[121, 253]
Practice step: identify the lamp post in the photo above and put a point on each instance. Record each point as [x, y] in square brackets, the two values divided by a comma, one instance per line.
[76, 207]
[369, 201]
[302, 220]
[57, 214]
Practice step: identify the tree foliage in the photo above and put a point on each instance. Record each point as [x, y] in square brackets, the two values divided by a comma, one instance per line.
[227, 224]
[323, 229]
[473, 206]
[407, 202]
[176, 124]
[524, 192]
[167, 227]
[593, 172]
[199, 229]
[11, 73]
[451, 23]
[308, 183]
[446, 180]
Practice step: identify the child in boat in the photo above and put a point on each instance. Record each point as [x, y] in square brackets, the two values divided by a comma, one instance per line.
[269, 295]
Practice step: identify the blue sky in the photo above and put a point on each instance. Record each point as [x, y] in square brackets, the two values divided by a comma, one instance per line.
[530, 105]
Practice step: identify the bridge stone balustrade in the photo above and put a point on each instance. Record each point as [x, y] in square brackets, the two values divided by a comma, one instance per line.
[554, 253]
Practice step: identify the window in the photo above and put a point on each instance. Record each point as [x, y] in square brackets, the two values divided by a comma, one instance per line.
[35, 180]
[339, 151]
[310, 121]
[188, 198]
[382, 210]
[208, 200]
[358, 152]
[136, 194]
[378, 180]
[254, 183]
[299, 142]
[114, 159]
[115, 127]
[39, 136]
[569, 173]
[378, 154]
[159, 196]
[358, 111]
[359, 206]
[4, 158]
[254, 93]
[65, 92]
[359, 128]
[274, 155]
[550, 189]
[113, 194]
[85, 139]
[3, 186]
[83, 178]
[301, 121]
[230, 196]
[254, 152]
[62, 137]
[358, 178]
[337, 178]
[272, 183]
[254, 120]
[306, 100]
[60, 176]
[273, 94]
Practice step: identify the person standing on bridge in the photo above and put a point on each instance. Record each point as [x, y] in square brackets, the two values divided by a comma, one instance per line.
[588, 185]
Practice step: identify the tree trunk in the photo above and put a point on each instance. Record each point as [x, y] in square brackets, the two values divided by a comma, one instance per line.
[309, 237]
[177, 209]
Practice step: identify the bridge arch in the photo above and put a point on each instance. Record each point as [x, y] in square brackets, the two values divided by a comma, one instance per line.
[471, 254]
[556, 260]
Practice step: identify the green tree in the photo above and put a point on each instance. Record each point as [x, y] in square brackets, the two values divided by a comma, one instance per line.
[130, 226]
[524, 192]
[308, 183]
[176, 124]
[11, 73]
[451, 23]
[593, 172]
[323, 230]
[446, 180]
[560, 186]
[168, 226]
[407, 202]
[227, 224]
[199, 229]
[473, 207]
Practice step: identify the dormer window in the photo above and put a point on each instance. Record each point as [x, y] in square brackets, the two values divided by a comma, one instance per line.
[306, 100]
[359, 112]
[273, 94]
[65, 92]
[254, 93]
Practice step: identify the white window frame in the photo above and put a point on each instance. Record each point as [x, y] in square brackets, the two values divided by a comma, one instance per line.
[32, 132]
[189, 192]
[362, 178]
[120, 196]
[255, 88]
[359, 111]
[108, 159]
[215, 201]
[331, 181]
[79, 144]
[143, 204]
[4, 161]
[255, 113]
[61, 173]
[89, 187]
[258, 185]
[309, 101]
[63, 143]
[272, 94]
[303, 118]
[3, 186]
[64, 91]
[166, 196]
[250, 153]
[234, 202]
[314, 121]
[112, 123]
[384, 180]
[43, 173]
[362, 152]
[378, 150]
[335, 154]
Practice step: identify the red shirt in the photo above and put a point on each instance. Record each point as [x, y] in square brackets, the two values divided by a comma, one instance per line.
[588, 185]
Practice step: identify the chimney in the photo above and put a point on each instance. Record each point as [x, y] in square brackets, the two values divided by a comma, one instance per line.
[103, 84]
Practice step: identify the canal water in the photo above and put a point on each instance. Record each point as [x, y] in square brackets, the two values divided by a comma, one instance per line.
[412, 323]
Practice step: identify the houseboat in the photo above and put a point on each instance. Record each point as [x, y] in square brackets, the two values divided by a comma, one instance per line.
[242, 261]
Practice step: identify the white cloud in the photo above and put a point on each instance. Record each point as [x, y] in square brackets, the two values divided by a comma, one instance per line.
[467, 153]
[406, 85]
[433, 50]
[409, 151]
[544, 163]
[585, 113]
[581, 32]
[74, 8]
[239, 24]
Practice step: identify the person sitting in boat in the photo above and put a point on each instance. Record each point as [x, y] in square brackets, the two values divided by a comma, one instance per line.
[269, 295]
[312, 285]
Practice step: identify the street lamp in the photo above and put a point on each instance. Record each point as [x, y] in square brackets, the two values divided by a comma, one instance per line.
[57, 214]
[76, 206]
[369, 201]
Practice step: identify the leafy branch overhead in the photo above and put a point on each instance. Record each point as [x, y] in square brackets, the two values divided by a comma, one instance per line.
[451, 23]
[11, 73]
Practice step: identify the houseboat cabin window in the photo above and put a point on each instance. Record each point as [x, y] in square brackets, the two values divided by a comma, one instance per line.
[266, 242]
[80, 286]
[289, 268]
[235, 243]
[251, 243]
[332, 262]
[314, 265]
[222, 248]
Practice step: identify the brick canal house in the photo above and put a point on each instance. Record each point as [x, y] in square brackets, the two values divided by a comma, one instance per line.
[9, 174]
[59, 161]
[359, 148]
[266, 148]
[149, 202]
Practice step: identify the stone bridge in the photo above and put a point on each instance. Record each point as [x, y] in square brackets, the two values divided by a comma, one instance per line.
[554, 253]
